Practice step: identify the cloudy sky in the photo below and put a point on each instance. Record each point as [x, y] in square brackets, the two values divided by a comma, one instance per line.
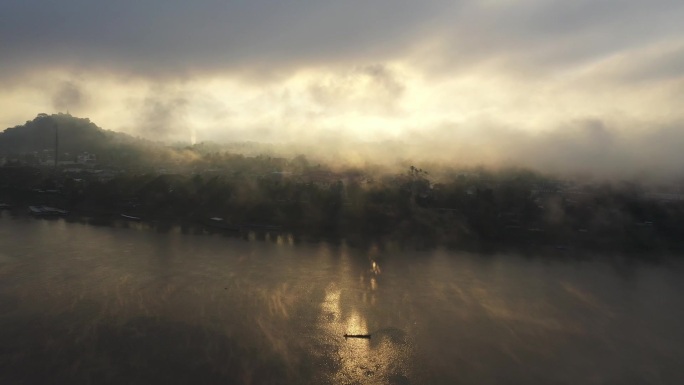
[595, 74]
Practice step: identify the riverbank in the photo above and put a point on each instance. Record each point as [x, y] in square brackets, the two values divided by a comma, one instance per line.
[193, 226]
[504, 211]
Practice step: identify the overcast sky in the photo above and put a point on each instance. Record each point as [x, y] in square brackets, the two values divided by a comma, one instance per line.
[347, 70]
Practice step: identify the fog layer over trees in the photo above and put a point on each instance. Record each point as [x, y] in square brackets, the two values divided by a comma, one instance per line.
[220, 188]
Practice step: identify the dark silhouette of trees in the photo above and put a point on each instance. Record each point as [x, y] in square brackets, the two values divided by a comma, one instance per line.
[469, 206]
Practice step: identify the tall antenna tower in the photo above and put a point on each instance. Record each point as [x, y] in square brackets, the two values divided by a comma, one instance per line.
[56, 145]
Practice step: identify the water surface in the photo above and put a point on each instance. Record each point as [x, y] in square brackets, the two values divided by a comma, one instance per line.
[83, 304]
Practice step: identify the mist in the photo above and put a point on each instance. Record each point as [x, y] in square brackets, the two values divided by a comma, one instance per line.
[328, 192]
[583, 148]
[584, 91]
[563, 88]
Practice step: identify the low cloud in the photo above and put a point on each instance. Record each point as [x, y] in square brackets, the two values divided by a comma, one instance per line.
[68, 97]
[369, 89]
[587, 147]
[161, 115]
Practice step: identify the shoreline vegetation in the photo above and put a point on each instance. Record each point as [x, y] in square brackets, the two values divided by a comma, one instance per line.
[406, 210]
[117, 178]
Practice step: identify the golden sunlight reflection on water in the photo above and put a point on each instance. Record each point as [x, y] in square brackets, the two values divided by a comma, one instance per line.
[145, 297]
[378, 360]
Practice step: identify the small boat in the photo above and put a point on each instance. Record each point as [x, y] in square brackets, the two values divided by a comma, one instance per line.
[220, 223]
[54, 211]
[130, 217]
[46, 211]
[364, 336]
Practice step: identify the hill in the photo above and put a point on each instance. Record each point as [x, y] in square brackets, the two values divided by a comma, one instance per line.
[34, 141]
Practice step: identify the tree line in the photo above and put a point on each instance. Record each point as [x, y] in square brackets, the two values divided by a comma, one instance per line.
[471, 208]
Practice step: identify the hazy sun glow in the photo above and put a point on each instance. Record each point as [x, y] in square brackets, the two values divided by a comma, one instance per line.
[443, 76]
[370, 103]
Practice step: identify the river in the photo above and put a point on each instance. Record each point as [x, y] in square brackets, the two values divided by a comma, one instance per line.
[83, 304]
